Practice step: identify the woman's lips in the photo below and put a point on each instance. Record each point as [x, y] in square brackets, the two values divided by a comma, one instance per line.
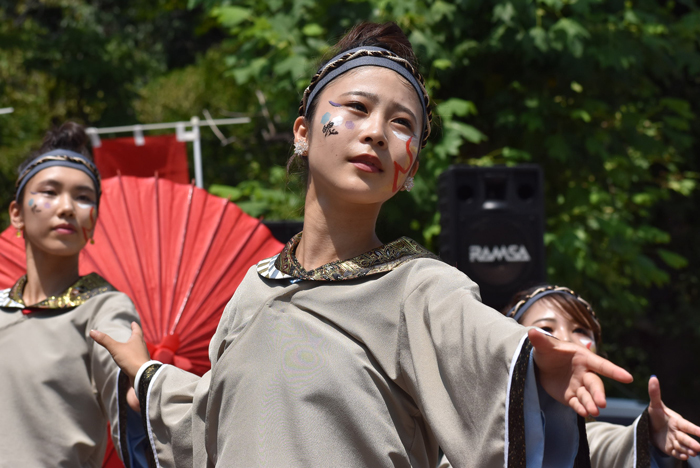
[367, 163]
[65, 229]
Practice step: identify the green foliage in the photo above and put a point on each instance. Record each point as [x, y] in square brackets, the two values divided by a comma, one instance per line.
[591, 90]
[603, 94]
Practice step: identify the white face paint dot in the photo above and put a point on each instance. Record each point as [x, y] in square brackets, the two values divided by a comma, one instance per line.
[337, 121]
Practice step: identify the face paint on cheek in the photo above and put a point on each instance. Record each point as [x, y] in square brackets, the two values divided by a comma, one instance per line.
[337, 121]
[93, 218]
[31, 202]
[349, 125]
[588, 343]
[397, 168]
[326, 117]
[47, 205]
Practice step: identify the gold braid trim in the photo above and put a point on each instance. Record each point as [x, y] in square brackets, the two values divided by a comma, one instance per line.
[86, 287]
[383, 259]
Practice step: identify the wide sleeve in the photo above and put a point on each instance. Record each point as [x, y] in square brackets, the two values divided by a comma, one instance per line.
[470, 371]
[174, 405]
[112, 313]
[616, 446]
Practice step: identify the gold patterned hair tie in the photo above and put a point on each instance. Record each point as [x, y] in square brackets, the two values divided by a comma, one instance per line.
[63, 158]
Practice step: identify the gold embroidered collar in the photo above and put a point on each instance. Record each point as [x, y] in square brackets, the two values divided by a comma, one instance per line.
[86, 287]
[380, 260]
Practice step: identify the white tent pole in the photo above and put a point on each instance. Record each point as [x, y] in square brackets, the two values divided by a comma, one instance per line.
[182, 135]
[196, 143]
[7, 110]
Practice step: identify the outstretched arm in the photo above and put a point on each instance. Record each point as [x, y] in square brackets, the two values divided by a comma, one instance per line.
[670, 432]
[567, 372]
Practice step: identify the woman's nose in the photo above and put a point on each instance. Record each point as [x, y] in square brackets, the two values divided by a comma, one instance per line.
[373, 132]
[65, 205]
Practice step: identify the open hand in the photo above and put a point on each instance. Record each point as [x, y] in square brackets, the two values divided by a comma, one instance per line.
[129, 356]
[567, 372]
[669, 430]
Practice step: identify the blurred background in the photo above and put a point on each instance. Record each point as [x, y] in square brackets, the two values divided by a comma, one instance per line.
[602, 95]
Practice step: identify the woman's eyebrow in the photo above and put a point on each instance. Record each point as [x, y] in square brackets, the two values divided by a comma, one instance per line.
[546, 319]
[375, 98]
[53, 182]
[85, 188]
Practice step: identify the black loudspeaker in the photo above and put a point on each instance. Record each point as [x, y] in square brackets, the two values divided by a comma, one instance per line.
[492, 221]
[284, 230]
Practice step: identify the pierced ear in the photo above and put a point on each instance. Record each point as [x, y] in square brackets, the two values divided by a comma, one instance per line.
[16, 215]
[301, 129]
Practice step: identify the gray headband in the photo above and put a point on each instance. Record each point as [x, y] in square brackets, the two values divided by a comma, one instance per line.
[370, 60]
[517, 311]
[63, 158]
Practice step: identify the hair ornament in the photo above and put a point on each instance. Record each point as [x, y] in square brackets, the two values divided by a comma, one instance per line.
[517, 311]
[301, 148]
[370, 56]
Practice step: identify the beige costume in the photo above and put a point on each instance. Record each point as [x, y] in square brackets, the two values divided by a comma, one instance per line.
[375, 361]
[615, 446]
[57, 386]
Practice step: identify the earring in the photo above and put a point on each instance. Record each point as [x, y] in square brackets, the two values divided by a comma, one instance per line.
[301, 147]
[92, 241]
[19, 233]
[408, 184]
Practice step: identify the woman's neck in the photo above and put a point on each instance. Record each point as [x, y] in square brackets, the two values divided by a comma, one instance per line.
[48, 275]
[334, 233]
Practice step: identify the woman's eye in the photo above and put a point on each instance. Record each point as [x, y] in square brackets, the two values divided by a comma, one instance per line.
[405, 122]
[358, 106]
[50, 193]
[548, 329]
[583, 331]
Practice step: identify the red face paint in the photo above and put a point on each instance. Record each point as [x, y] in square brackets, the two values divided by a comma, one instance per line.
[92, 221]
[399, 170]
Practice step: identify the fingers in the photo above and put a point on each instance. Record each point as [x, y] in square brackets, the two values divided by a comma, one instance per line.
[576, 405]
[606, 368]
[104, 339]
[689, 428]
[136, 332]
[655, 393]
[687, 444]
[542, 342]
[586, 400]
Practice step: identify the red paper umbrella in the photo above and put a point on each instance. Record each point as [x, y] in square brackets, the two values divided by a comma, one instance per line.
[176, 250]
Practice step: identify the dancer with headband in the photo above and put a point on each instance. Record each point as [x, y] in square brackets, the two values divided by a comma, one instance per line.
[58, 388]
[657, 434]
[344, 350]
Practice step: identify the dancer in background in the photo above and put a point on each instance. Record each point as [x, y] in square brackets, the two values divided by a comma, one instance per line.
[656, 435]
[343, 350]
[58, 388]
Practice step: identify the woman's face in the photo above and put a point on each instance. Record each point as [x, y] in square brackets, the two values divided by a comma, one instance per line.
[365, 136]
[559, 323]
[58, 212]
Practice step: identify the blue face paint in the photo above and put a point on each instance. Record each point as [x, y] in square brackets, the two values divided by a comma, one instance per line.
[31, 202]
[326, 117]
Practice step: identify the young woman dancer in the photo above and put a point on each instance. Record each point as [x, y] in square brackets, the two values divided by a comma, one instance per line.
[568, 317]
[346, 351]
[58, 388]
